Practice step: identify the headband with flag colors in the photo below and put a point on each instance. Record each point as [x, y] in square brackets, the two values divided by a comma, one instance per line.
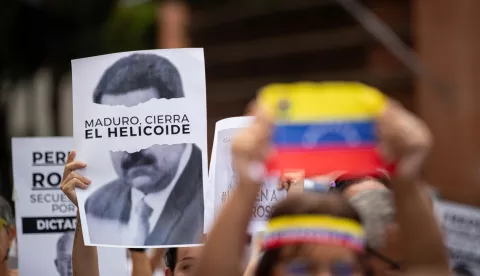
[324, 127]
[321, 229]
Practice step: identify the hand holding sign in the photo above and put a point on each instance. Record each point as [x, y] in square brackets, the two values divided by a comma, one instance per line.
[404, 138]
[72, 179]
[330, 121]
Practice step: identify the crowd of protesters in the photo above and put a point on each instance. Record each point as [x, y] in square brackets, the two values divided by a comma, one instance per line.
[377, 215]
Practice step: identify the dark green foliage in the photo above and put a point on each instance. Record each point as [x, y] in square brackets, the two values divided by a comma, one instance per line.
[49, 33]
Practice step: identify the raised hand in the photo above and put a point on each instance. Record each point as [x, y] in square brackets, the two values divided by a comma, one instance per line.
[404, 138]
[72, 179]
[251, 147]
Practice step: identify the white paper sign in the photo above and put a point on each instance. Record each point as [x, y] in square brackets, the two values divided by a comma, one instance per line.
[461, 226]
[222, 174]
[45, 217]
[140, 125]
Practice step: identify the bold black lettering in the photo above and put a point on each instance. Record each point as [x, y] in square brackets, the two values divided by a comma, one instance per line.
[54, 179]
[145, 130]
[176, 119]
[112, 132]
[89, 124]
[88, 133]
[148, 120]
[134, 120]
[37, 156]
[49, 157]
[158, 130]
[123, 132]
[107, 121]
[97, 135]
[186, 129]
[175, 129]
[60, 157]
[38, 179]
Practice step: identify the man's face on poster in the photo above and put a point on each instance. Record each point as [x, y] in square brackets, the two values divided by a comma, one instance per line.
[63, 261]
[150, 169]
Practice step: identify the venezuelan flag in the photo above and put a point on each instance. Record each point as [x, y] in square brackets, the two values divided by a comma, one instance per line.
[324, 127]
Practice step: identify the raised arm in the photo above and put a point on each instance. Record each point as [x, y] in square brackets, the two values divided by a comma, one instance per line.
[84, 258]
[227, 238]
[255, 255]
[407, 140]
[141, 263]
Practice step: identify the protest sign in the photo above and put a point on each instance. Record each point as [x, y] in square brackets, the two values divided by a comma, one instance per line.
[461, 226]
[45, 217]
[222, 174]
[140, 125]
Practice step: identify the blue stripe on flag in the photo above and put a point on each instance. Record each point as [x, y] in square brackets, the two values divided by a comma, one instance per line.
[346, 133]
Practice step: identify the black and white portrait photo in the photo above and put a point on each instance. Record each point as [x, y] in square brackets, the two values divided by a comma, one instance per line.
[63, 258]
[462, 269]
[157, 196]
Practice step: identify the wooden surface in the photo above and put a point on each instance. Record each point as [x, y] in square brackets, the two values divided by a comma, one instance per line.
[448, 38]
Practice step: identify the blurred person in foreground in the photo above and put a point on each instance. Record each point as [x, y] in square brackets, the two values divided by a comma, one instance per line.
[373, 200]
[7, 236]
[335, 246]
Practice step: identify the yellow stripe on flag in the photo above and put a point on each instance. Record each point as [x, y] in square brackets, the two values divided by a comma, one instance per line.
[323, 101]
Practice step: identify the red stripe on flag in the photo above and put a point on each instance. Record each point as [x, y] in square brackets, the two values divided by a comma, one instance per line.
[320, 161]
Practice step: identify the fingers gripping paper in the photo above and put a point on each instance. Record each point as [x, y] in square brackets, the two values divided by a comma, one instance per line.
[222, 174]
[324, 127]
[140, 125]
[45, 217]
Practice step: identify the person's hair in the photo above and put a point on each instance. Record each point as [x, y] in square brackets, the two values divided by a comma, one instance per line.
[140, 71]
[307, 203]
[171, 258]
[63, 242]
[377, 211]
[6, 212]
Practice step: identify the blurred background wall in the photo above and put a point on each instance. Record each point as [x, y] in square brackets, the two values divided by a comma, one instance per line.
[249, 44]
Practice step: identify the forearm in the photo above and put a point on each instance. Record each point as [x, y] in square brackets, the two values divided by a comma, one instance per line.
[250, 270]
[157, 260]
[141, 264]
[227, 238]
[84, 258]
[421, 237]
